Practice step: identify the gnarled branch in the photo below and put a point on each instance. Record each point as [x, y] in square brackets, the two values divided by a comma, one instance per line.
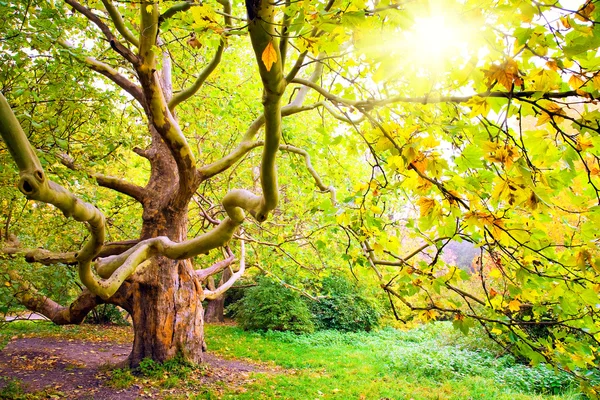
[214, 294]
[217, 267]
[29, 296]
[311, 170]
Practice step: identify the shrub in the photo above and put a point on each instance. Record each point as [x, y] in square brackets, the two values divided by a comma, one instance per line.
[270, 306]
[106, 314]
[345, 307]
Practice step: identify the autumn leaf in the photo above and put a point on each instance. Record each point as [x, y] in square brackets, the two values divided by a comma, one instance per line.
[565, 22]
[426, 206]
[506, 74]
[479, 106]
[495, 273]
[194, 43]
[584, 12]
[514, 305]
[584, 143]
[553, 112]
[269, 56]
[576, 82]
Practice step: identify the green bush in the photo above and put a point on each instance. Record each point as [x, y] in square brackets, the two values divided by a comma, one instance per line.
[106, 314]
[345, 307]
[270, 306]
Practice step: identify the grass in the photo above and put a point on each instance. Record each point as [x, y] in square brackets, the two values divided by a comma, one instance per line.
[430, 362]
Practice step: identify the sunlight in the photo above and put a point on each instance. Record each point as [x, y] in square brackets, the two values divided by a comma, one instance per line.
[434, 39]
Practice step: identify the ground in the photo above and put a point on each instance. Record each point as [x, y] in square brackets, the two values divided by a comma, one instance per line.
[71, 368]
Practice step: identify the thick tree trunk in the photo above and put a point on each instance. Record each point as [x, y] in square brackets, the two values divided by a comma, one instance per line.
[167, 313]
[165, 299]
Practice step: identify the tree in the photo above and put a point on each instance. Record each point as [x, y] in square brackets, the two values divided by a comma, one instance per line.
[491, 140]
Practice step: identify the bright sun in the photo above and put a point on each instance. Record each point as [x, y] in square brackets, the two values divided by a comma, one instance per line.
[434, 39]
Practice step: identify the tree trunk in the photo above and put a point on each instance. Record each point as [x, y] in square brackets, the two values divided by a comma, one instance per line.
[215, 308]
[165, 299]
[167, 313]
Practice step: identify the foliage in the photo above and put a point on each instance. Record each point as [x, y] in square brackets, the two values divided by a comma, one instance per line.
[344, 306]
[271, 306]
[120, 378]
[486, 134]
[106, 314]
[328, 362]
[11, 388]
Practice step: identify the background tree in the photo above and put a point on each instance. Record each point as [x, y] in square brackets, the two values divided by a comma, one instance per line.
[462, 121]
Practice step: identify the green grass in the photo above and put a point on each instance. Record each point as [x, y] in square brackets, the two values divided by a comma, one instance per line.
[431, 362]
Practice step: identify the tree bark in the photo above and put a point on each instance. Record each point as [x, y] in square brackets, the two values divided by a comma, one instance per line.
[215, 308]
[167, 313]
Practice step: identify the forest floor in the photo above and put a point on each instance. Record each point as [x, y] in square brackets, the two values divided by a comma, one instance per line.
[53, 364]
[41, 361]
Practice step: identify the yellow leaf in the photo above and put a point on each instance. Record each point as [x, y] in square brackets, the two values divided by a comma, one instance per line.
[397, 162]
[376, 209]
[565, 22]
[554, 112]
[496, 331]
[576, 82]
[426, 206]
[269, 56]
[514, 305]
[545, 80]
[495, 273]
[584, 12]
[479, 106]
[505, 74]
[7, 283]
[149, 8]
[378, 248]
[596, 80]
[584, 143]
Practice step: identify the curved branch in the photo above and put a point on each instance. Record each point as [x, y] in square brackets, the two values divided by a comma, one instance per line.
[179, 7]
[312, 171]
[35, 185]
[314, 77]
[110, 182]
[109, 72]
[217, 237]
[185, 94]
[209, 69]
[114, 43]
[217, 267]
[213, 294]
[115, 15]
[47, 257]
[28, 295]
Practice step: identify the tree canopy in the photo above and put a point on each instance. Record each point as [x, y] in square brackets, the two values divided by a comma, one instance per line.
[367, 134]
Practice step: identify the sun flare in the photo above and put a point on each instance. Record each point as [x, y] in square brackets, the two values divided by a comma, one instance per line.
[434, 39]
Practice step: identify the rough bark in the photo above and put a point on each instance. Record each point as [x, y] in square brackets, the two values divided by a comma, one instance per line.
[167, 313]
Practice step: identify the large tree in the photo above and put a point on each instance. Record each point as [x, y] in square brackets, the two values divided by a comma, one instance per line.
[462, 121]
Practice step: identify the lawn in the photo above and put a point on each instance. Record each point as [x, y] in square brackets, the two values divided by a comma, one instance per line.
[429, 362]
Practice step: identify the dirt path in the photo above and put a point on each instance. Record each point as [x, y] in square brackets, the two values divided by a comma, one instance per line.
[78, 369]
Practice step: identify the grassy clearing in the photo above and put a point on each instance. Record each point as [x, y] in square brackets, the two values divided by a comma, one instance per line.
[431, 362]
